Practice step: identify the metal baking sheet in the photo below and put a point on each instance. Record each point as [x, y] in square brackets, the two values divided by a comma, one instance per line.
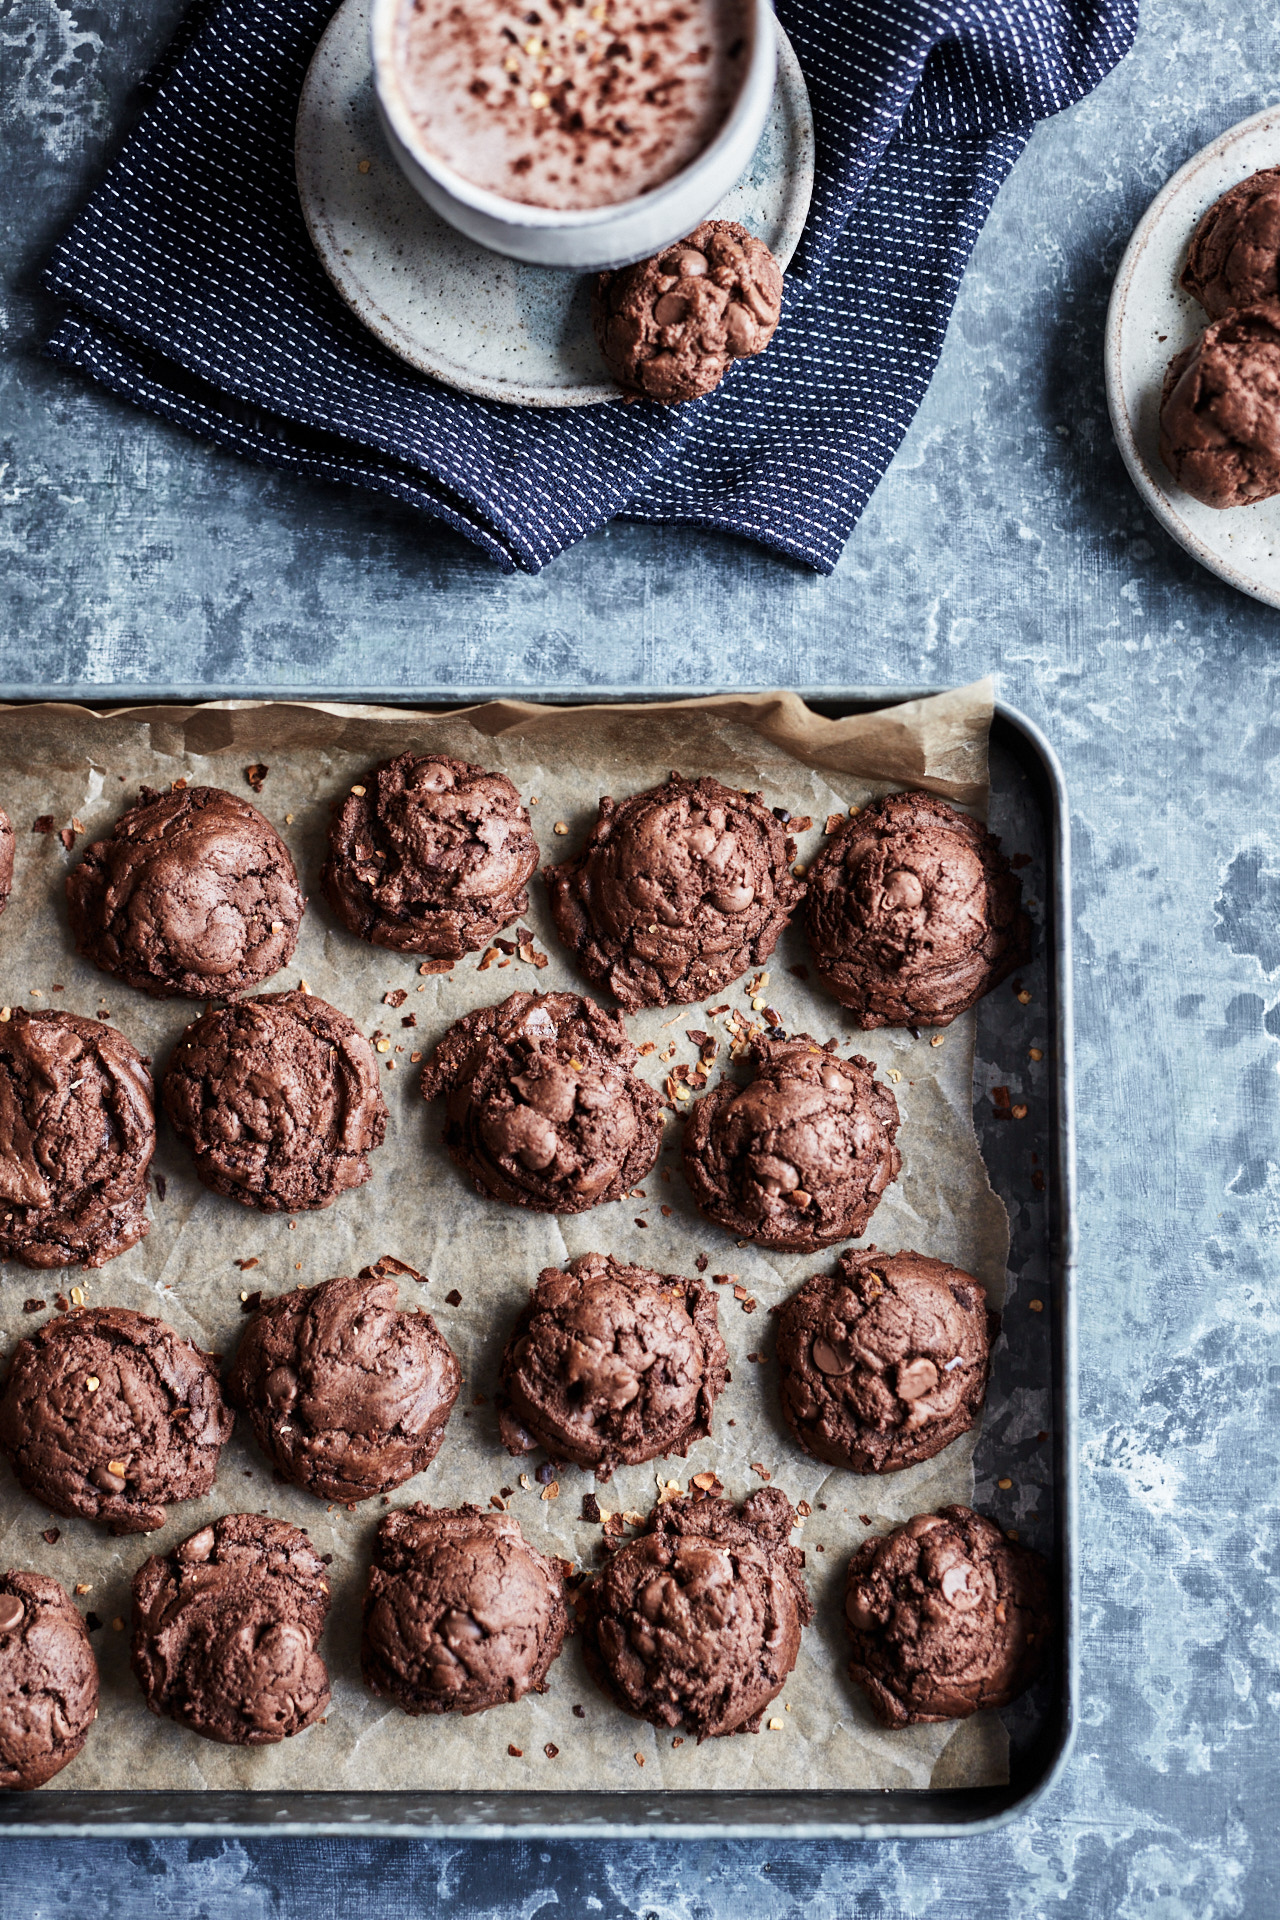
[1030, 1397]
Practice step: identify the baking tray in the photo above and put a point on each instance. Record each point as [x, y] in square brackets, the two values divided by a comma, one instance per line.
[1031, 1163]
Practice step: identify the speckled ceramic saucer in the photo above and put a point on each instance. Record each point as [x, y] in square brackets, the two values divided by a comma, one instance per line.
[471, 318]
[1150, 319]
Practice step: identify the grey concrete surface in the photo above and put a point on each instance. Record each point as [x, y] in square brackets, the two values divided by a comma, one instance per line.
[1005, 537]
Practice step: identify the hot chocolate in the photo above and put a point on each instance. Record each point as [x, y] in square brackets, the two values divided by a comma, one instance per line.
[571, 103]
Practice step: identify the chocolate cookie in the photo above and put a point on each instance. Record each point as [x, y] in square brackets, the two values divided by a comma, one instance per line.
[611, 1364]
[429, 855]
[193, 892]
[76, 1138]
[945, 1615]
[6, 865]
[1234, 257]
[801, 1155]
[1220, 410]
[225, 1630]
[544, 1110]
[345, 1395]
[913, 913]
[278, 1100]
[110, 1415]
[48, 1680]
[670, 328]
[460, 1612]
[697, 1620]
[677, 892]
[883, 1362]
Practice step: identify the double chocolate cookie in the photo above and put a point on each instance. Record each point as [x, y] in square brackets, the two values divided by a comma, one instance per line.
[670, 328]
[225, 1630]
[697, 1621]
[48, 1680]
[193, 892]
[1234, 256]
[1220, 410]
[429, 855]
[110, 1415]
[884, 1362]
[278, 1100]
[544, 1109]
[460, 1612]
[677, 892]
[611, 1364]
[801, 1155]
[6, 859]
[945, 1616]
[346, 1396]
[76, 1138]
[913, 913]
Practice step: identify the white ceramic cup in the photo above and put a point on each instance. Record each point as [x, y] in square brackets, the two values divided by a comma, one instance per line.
[588, 239]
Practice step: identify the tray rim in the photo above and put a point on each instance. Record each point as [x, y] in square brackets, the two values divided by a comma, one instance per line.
[87, 1813]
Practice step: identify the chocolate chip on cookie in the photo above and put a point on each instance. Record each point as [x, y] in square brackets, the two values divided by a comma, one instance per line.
[543, 1108]
[428, 854]
[193, 892]
[946, 1616]
[111, 1415]
[76, 1138]
[801, 1155]
[913, 913]
[346, 1396]
[278, 1100]
[225, 1629]
[670, 328]
[884, 1362]
[48, 1680]
[460, 1612]
[677, 892]
[697, 1620]
[611, 1364]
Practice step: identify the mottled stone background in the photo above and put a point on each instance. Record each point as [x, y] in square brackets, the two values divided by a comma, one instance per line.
[1005, 537]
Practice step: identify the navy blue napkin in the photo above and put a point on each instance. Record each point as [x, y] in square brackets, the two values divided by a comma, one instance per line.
[192, 288]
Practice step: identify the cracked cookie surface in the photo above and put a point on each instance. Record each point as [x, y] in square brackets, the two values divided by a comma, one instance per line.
[945, 1616]
[884, 1362]
[678, 891]
[225, 1629]
[278, 1100]
[460, 1613]
[346, 1395]
[799, 1156]
[77, 1133]
[542, 1106]
[611, 1364]
[192, 892]
[111, 1415]
[428, 854]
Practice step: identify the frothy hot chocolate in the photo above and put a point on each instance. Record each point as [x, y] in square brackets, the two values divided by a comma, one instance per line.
[571, 103]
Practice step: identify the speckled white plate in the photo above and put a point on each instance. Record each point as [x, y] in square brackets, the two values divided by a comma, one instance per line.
[1149, 320]
[471, 318]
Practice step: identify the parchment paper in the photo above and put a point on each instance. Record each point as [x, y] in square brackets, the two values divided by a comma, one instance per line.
[84, 768]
